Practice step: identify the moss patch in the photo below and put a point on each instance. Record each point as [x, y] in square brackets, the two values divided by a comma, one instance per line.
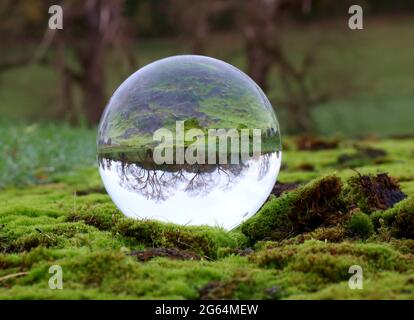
[151, 253]
[399, 219]
[360, 225]
[300, 245]
[311, 206]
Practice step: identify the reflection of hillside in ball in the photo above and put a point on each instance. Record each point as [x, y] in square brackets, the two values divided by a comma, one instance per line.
[200, 90]
[197, 92]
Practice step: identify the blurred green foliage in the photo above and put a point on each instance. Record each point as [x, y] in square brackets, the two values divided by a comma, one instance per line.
[34, 153]
[371, 89]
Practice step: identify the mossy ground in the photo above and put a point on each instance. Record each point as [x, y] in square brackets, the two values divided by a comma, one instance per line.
[293, 251]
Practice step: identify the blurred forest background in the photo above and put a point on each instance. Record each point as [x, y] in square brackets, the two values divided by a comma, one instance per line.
[320, 76]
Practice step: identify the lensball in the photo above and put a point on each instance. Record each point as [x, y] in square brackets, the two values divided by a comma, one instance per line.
[190, 140]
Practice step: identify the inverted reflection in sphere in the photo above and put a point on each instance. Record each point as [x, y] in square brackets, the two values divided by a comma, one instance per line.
[189, 140]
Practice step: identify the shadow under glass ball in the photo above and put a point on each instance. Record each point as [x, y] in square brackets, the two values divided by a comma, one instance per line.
[177, 102]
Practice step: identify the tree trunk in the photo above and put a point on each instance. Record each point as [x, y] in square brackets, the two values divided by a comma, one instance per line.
[92, 57]
[297, 103]
[93, 92]
[258, 65]
[200, 36]
[301, 118]
[65, 111]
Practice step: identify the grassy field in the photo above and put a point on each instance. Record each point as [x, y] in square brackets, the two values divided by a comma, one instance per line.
[35, 153]
[63, 216]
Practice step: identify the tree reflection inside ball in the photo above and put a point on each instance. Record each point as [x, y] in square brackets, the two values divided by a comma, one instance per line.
[189, 140]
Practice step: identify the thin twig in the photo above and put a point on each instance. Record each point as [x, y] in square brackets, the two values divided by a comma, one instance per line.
[14, 275]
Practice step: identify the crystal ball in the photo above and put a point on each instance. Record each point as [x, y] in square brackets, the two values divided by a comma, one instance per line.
[190, 140]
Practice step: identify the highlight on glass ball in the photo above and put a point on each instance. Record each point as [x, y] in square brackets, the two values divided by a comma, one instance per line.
[190, 140]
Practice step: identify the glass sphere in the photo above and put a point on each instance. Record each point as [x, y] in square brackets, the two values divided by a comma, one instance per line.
[190, 140]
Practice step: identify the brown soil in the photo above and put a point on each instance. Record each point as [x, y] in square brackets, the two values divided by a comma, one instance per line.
[314, 143]
[307, 167]
[364, 156]
[280, 188]
[381, 191]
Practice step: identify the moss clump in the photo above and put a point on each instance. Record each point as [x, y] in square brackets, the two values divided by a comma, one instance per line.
[311, 206]
[399, 219]
[360, 225]
[102, 216]
[202, 240]
[244, 283]
[403, 226]
[329, 234]
[374, 288]
[90, 190]
[151, 253]
[96, 268]
[277, 258]
[205, 241]
[216, 290]
[226, 251]
[331, 261]
[30, 233]
[371, 193]
[31, 241]
[405, 246]
[225, 289]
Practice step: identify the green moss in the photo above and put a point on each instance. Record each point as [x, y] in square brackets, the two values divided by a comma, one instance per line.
[112, 274]
[92, 240]
[384, 285]
[31, 241]
[330, 262]
[31, 212]
[403, 226]
[102, 216]
[311, 206]
[329, 234]
[244, 284]
[360, 225]
[205, 241]
[399, 219]
[405, 246]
